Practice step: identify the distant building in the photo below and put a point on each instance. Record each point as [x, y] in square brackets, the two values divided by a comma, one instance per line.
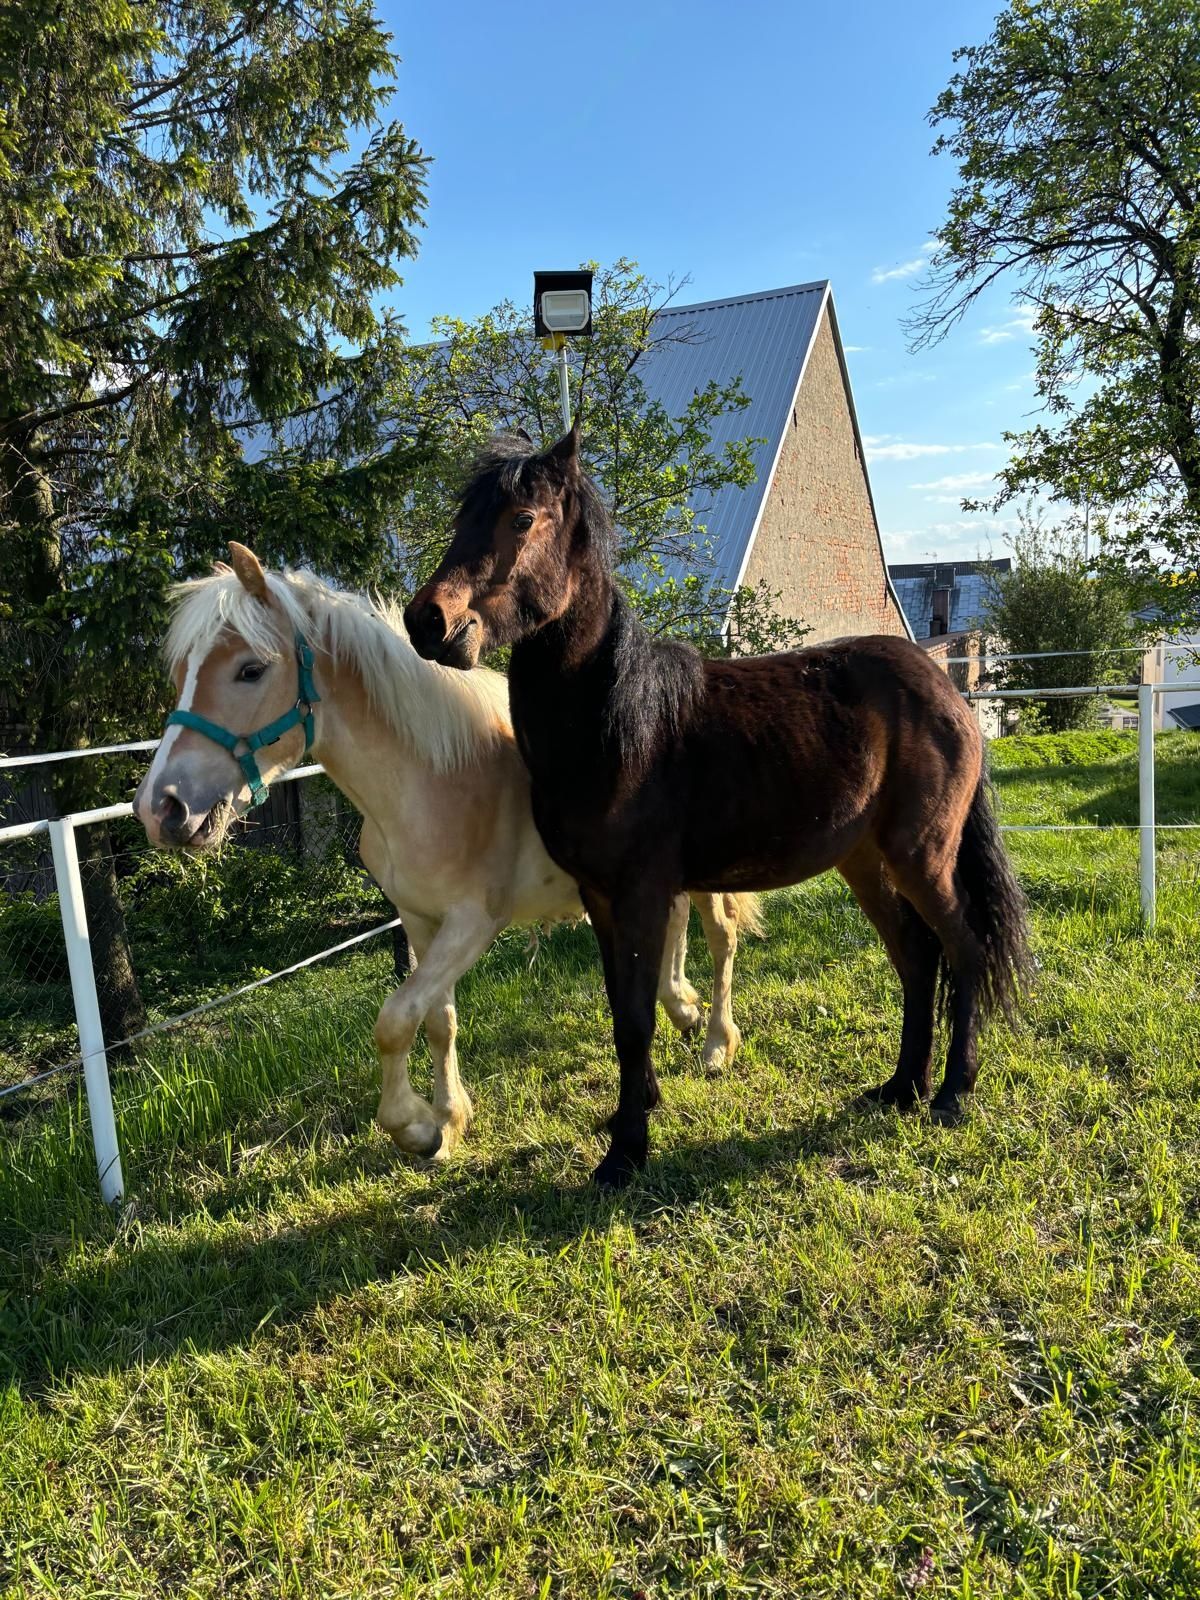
[1176, 660]
[940, 597]
[807, 525]
[945, 603]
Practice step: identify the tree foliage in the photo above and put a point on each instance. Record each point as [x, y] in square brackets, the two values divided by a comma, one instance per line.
[659, 472]
[1055, 599]
[201, 206]
[1076, 132]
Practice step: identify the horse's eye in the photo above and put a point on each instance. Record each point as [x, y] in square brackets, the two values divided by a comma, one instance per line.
[523, 521]
[251, 672]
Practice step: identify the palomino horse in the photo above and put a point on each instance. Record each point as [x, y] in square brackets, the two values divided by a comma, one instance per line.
[270, 666]
[655, 770]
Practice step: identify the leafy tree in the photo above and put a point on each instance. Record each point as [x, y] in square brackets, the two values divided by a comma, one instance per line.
[659, 472]
[1076, 130]
[1054, 599]
[200, 207]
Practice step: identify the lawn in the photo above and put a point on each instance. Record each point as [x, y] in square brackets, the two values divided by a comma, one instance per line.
[816, 1352]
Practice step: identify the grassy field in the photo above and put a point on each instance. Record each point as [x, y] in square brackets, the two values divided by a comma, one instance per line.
[816, 1352]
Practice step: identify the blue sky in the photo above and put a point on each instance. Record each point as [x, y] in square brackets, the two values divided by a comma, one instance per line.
[746, 147]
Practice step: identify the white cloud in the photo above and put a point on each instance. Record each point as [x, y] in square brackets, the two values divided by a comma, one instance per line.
[902, 380]
[902, 539]
[955, 482]
[963, 539]
[885, 447]
[905, 268]
[855, 349]
[1021, 322]
[976, 525]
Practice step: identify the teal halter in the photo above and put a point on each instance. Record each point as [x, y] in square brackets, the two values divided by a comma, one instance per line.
[301, 715]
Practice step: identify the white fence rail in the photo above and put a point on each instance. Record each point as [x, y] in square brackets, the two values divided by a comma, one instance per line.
[93, 1049]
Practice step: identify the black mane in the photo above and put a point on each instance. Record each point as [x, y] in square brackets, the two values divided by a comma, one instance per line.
[656, 686]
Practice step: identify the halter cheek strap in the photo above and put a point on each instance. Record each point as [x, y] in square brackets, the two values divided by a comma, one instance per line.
[244, 747]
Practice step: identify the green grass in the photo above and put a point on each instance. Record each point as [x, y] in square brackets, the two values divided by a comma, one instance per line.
[816, 1352]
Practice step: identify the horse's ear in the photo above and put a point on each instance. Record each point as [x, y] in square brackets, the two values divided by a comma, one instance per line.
[249, 570]
[222, 568]
[522, 434]
[565, 454]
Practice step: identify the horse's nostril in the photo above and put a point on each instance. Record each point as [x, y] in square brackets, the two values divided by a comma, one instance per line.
[426, 622]
[172, 814]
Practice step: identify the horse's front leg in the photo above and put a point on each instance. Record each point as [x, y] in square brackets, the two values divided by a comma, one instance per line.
[631, 933]
[443, 956]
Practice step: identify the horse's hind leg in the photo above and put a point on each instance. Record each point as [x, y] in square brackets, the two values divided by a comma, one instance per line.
[718, 913]
[940, 903]
[675, 993]
[914, 951]
[451, 1102]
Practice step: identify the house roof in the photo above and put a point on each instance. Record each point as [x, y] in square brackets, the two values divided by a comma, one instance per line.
[1186, 716]
[967, 581]
[765, 339]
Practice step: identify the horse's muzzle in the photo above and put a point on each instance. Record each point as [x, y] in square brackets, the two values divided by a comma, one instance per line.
[174, 822]
[451, 643]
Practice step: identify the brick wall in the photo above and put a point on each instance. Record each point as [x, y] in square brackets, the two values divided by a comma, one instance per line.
[817, 544]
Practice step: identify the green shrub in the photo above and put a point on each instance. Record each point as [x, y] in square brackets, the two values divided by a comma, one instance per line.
[1078, 749]
[31, 940]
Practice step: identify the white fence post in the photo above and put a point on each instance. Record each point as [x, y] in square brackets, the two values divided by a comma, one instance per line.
[87, 1008]
[1146, 863]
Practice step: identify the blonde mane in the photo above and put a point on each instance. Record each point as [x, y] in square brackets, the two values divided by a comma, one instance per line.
[453, 719]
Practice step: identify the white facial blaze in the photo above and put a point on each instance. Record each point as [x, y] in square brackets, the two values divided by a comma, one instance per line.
[190, 679]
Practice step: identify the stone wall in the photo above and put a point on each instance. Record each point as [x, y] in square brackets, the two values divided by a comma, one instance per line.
[817, 543]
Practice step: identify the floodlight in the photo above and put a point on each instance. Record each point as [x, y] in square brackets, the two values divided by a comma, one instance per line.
[562, 303]
[566, 310]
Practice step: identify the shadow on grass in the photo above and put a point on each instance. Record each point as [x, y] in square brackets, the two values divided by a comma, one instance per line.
[1103, 792]
[147, 1298]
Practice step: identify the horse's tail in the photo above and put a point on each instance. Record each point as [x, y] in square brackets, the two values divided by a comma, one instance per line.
[747, 910]
[996, 906]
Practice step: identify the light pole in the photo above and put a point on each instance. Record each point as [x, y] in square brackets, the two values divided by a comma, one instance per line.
[562, 304]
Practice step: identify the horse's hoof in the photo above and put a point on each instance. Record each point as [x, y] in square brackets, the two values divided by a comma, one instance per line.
[949, 1114]
[689, 1023]
[616, 1171]
[719, 1056]
[903, 1096]
[422, 1139]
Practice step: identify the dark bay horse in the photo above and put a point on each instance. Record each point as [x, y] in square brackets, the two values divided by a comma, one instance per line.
[655, 770]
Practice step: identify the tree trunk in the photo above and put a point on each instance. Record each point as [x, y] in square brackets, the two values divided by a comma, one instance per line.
[122, 1011]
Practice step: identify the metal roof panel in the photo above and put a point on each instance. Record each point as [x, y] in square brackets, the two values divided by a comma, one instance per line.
[764, 339]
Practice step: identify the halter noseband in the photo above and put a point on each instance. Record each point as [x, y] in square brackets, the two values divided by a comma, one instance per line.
[301, 715]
